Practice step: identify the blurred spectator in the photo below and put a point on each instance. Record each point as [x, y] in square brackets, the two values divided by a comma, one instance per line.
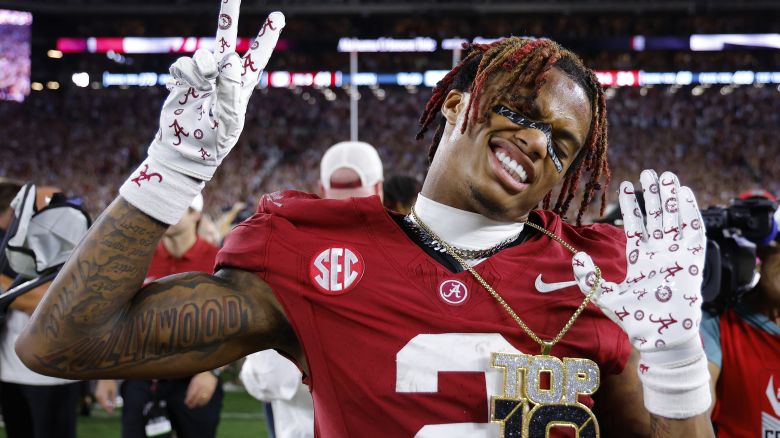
[347, 169]
[270, 377]
[351, 169]
[33, 405]
[720, 138]
[8, 190]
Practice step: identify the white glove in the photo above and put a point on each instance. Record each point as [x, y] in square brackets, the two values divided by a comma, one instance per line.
[658, 305]
[202, 117]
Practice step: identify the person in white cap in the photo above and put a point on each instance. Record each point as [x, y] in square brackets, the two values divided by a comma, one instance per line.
[189, 405]
[351, 169]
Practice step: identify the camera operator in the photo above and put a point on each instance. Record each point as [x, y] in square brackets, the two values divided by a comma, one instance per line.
[743, 348]
[42, 227]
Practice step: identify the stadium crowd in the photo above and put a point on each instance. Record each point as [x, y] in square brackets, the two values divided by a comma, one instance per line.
[718, 139]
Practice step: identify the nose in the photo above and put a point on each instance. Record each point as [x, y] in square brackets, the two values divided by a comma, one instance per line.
[534, 142]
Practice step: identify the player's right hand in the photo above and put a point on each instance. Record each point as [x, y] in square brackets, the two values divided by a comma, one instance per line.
[659, 303]
[204, 113]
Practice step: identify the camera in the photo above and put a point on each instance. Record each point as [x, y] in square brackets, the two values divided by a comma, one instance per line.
[731, 267]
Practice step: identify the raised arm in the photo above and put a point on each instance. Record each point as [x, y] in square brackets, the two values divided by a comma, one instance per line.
[96, 320]
[658, 306]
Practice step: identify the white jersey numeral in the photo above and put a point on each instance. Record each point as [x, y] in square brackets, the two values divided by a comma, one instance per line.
[422, 359]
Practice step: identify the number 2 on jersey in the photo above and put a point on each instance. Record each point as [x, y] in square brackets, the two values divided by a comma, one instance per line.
[519, 403]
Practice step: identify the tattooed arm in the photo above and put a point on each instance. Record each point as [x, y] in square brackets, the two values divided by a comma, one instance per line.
[621, 411]
[96, 321]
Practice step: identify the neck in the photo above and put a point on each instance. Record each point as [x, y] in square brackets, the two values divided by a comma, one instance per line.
[464, 229]
[180, 243]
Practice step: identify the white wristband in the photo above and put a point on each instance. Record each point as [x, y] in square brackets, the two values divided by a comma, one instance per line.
[679, 389]
[160, 192]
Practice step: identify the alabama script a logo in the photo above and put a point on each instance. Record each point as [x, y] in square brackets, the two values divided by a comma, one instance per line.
[453, 292]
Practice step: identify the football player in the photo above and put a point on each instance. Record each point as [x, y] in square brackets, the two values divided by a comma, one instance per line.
[475, 315]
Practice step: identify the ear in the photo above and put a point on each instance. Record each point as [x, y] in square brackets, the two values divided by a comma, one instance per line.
[322, 189]
[453, 104]
[378, 190]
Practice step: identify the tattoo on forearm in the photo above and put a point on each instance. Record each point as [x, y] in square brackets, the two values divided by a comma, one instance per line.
[94, 317]
[108, 270]
[155, 333]
[660, 427]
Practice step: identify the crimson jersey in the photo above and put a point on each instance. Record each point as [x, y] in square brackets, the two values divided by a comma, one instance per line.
[748, 396]
[199, 258]
[397, 345]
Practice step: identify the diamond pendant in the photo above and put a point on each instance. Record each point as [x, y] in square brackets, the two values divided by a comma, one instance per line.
[527, 410]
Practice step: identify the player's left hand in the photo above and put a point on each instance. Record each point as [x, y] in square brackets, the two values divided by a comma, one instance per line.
[659, 303]
[200, 390]
[201, 119]
[204, 113]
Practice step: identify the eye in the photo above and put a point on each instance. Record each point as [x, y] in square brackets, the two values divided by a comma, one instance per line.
[560, 150]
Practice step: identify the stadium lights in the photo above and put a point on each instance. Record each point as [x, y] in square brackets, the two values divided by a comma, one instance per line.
[150, 45]
[81, 79]
[419, 44]
[54, 53]
[36, 86]
[15, 18]
[323, 79]
[53, 85]
[720, 42]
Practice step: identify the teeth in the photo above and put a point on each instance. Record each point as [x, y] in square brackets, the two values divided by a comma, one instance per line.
[512, 166]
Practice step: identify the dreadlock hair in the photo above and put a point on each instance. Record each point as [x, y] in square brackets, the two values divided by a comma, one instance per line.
[524, 63]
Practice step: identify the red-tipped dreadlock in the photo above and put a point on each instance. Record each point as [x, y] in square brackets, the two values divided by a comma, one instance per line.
[523, 63]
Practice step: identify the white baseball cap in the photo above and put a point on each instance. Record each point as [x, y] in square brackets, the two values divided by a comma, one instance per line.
[358, 156]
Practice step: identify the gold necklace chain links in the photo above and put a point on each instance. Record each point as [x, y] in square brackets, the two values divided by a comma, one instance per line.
[546, 345]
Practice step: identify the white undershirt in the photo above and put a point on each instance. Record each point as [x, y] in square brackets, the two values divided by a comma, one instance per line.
[464, 229]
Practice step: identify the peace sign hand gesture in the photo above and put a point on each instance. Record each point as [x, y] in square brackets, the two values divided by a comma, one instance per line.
[204, 113]
[658, 305]
[202, 117]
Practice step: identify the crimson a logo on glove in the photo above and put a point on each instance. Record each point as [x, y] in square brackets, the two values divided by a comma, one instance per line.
[267, 25]
[671, 205]
[225, 21]
[190, 93]
[178, 131]
[663, 294]
[144, 175]
[654, 188]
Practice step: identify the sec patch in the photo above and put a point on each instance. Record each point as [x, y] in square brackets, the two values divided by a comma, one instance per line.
[337, 270]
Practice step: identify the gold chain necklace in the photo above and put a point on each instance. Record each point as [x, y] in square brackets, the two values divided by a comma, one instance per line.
[545, 345]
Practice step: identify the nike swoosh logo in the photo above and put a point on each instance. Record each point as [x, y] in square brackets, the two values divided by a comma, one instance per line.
[770, 394]
[544, 288]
